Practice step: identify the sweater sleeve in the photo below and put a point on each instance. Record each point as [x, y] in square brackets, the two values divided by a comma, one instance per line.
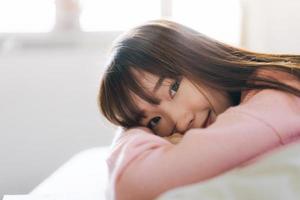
[142, 165]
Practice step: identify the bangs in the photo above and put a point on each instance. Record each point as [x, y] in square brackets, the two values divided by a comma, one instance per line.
[121, 107]
[130, 85]
[120, 82]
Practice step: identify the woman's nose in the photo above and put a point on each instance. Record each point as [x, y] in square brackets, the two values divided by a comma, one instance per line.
[184, 122]
[179, 117]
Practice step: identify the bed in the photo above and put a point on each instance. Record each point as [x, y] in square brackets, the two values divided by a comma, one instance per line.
[274, 176]
[83, 176]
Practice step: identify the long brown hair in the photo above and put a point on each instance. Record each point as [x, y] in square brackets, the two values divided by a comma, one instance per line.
[171, 50]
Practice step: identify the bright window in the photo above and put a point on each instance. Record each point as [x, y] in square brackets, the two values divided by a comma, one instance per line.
[104, 15]
[215, 18]
[27, 15]
[219, 19]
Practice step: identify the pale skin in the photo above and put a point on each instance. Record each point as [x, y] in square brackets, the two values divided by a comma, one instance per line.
[183, 106]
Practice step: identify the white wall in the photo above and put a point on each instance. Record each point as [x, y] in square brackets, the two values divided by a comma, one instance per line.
[271, 25]
[48, 112]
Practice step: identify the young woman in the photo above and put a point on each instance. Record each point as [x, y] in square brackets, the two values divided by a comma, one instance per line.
[192, 107]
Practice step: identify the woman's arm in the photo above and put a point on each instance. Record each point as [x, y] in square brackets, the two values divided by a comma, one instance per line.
[238, 135]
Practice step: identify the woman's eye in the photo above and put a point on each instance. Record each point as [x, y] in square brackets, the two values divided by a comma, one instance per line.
[153, 122]
[174, 88]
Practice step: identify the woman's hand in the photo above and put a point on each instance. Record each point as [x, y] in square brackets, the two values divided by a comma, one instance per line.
[174, 138]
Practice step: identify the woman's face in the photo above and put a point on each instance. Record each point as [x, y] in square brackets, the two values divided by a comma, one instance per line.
[182, 105]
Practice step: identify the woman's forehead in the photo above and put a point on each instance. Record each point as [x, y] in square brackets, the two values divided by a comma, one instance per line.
[150, 84]
[140, 103]
[146, 79]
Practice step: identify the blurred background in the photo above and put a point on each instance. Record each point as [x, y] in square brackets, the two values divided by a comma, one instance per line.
[52, 55]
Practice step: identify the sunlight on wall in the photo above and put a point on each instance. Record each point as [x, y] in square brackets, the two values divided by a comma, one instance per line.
[116, 15]
[216, 18]
[27, 15]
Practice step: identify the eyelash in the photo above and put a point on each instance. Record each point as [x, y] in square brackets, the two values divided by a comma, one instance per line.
[175, 85]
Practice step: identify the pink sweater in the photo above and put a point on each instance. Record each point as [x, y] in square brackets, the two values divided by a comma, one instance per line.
[143, 165]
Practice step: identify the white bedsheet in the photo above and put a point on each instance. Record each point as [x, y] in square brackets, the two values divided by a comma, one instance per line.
[84, 176]
[275, 176]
